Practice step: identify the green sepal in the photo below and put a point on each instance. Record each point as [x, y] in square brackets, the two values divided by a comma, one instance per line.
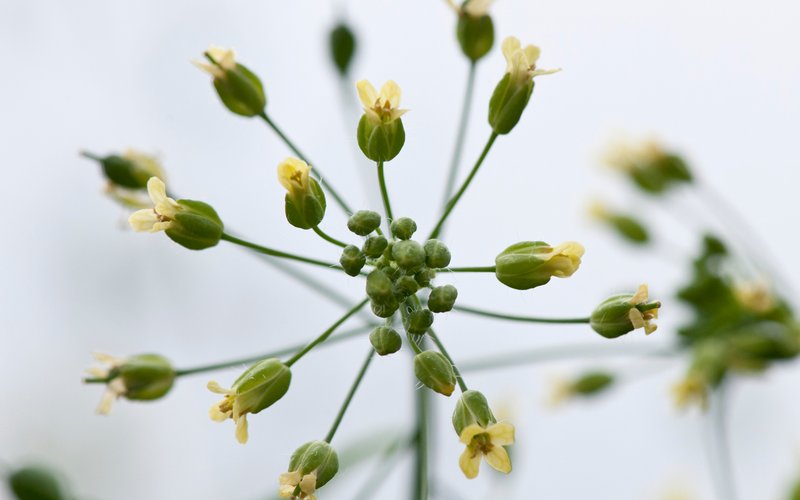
[123, 172]
[403, 228]
[374, 246]
[518, 265]
[435, 372]
[196, 225]
[261, 385]
[385, 340]
[379, 287]
[418, 321]
[629, 228]
[380, 142]
[508, 101]
[592, 383]
[241, 91]
[352, 260]
[610, 319]
[146, 376]
[306, 210]
[364, 222]
[475, 35]
[318, 457]
[406, 285]
[472, 408]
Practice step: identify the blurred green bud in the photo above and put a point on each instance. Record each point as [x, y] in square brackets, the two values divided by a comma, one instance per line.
[385, 340]
[380, 131]
[403, 228]
[437, 255]
[258, 388]
[625, 226]
[144, 377]
[472, 408]
[475, 35]
[529, 264]
[406, 285]
[132, 170]
[418, 321]
[442, 298]
[239, 88]
[435, 372]
[379, 287]
[425, 277]
[343, 46]
[649, 165]
[624, 313]
[191, 224]
[409, 255]
[310, 468]
[374, 246]
[305, 200]
[708, 369]
[352, 260]
[37, 483]
[586, 385]
[364, 222]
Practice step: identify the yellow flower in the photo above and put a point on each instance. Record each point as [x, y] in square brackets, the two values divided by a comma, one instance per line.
[473, 8]
[158, 218]
[564, 259]
[641, 319]
[521, 61]
[115, 388]
[691, 390]
[629, 155]
[293, 175]
[143, 377]
[289, 481]
[225, 61]
[229, 407]
[383, 107]
[755, 296]
[486, 442]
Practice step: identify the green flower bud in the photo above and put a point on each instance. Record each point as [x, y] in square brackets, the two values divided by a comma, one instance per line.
[708, 369]
[364, 222]
[379, 287]
[385, 340]
[624, 313]
[132, 170]
[403, 228]
[406, 285]
[305, 200]
[380, 131]
[144, 377]
[649, 165]
[387, 254]
[374, 246]
[472, 408]
[425, 277]
[625, 226]
[592, 383]
[239, 88]
[37, 483]
[475, 35]
[384, 309]
[310, 468]
[437, 255]
[435, 372]
[352, 260]
[442, 298]
[418, 321]
[343, 46]
[530, 264]
[409, 255]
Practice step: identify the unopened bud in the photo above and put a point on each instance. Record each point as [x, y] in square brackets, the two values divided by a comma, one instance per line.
[442, 298]
[385, 340]
[435, 372]
[403, 228]
[352, 260]
[364, 222]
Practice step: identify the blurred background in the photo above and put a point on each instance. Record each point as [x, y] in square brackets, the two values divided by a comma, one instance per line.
[716, 80]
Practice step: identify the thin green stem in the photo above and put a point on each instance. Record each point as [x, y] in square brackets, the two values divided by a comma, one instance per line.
[454, 200]
[462, 132]
[91, 156]
[327, 333]
[328, 238]
[277, 253]
[472, 269]
[272, 354]
[350, 394]
[444, 352]
[719, 451]
[389, 458]
[420, 490]
[339, 200]
[385, 194]
[512, 317]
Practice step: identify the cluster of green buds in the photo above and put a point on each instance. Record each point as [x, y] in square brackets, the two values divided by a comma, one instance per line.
[311, 466]
[380, 131]
[474, 29]
[652, 168]
[621, 314]
[530, 264]
[239, 88]
[143, 377]
[482, 434]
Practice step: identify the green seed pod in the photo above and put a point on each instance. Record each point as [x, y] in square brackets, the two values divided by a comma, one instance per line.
[146, 376]
[352, 260]
[380, 142]
[508, 101]
[343, 46]
[437, 255]
[384, 309]
[418, 321]
[385, 340]
[374, 246]
[195, 225]
[435, 372]
[442, 298]
[364, 222]
[403, 228]
[406, 285]
[409, 255]
[261, 385]
[592, 383]
[379, 287]
[239, 88]
[472, 408]
[425, 277]
[36, 483]
[530, 264]
[475, 35]
[316, 457]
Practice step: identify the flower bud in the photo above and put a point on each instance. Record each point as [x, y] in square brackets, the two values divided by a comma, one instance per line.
[649, 165]
[384, 309]
[132, 170]
[472, 408]
[364, 222]
[374, 246]
[406, 285]
[37, 483]
[352, 260]
[625, 226]
[379, 287]
[343, 46]
[437, 255]
[530, 264]
[239, 89]
[144, 377]
[621, 314]
[435, 372]
[403, 228]
[418, 321]
[380, 131]
[442, 298]
[311, 467]
[305, 200]
[475, 35]
[425, 277]
[409, 255]
[385, 340]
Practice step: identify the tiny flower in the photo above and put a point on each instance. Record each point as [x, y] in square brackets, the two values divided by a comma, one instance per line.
[305, 200]
[143, 377]
[529, 264]
[476, 8]
[487, 442]
[240, 90]
[222, 60]
[380, 132]
[310, 468]
[380, 108]
[521, 61]
[293, 175]
[755, 296]
[643, 318]
[161, 216]
[621, 314]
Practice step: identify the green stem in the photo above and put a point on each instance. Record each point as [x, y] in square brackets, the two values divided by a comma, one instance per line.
[511, 317]
[420, 491]
[462, 132]
[277, 253]
[454, 200]
[473, 269]
[328, 238]
[350, 394]
[339, 200]
[327, 333]
[385, 194]
[91, 156]
[444, 352]
[391, 455]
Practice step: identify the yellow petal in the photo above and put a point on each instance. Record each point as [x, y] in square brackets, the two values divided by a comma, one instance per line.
[501, 433]
[225, 58]
[241, 429]
[366, 93]
[104, 408]
[640, 297]
[477, 8]
[390, 92]
[510, 47]
[637, 320]
[214, 387]
[293, 174]
[499, 460]
[143, 220]
[286, 491]
[470, 432]
[532, 53]
[218, 415]
[309, 483]
[470, 463]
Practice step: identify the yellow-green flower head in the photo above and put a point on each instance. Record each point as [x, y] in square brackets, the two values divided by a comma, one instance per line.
[521, 61]
[380, 107]
[755, 296]
[259, 387]
[487, 442]
[529, 264]
[380, 132]
[621, 314]
[305, 200]
[143, 377]
[475, 29]
[240, 90]
[310, 468]
[293, 175]
[161, 216]
[223, 60]
[643, 318]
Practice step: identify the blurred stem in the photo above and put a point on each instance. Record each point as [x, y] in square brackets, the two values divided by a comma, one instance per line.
[444, 352]
[277, 253]
[91, 156]
[719, 451]
[327, 333]
[386, 463]
[526, 319]
[385, 194]
[462, 131]
[454, 200]
[420, 490]
[339, 200]
[350, 394]
[327, 237]
[473, 269]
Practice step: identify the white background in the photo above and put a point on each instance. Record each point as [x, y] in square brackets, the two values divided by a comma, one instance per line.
[716, 79]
